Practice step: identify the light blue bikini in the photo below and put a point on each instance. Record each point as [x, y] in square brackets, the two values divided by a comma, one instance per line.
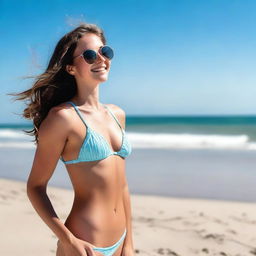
[109, 251]
[95, 147]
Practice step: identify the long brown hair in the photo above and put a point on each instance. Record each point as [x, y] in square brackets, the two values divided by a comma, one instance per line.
[55, 85]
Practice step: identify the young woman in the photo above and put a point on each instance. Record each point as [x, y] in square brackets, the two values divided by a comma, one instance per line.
[71, 124]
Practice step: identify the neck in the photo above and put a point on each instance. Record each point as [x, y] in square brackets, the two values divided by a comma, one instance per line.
[88, 97]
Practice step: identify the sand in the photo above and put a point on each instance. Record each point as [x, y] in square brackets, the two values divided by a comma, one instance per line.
[161, 225]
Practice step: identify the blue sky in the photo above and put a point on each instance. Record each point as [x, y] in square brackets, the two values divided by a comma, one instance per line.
[172, 57]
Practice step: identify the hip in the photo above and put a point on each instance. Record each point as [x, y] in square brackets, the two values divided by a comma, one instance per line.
[96, 225]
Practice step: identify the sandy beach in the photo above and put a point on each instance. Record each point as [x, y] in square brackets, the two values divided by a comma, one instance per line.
[161, 225]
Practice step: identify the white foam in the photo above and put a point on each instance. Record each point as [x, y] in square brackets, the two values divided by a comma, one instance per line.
[152, 140]
[25, 145]
[190, 141]
[11, 133]
[252, 146]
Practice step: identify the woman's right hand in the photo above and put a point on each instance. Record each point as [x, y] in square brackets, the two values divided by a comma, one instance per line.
[76, 247]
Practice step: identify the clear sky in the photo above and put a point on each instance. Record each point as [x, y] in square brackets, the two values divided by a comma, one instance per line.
[172, 57]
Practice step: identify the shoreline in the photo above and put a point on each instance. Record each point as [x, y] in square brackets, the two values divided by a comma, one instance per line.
[161, 225]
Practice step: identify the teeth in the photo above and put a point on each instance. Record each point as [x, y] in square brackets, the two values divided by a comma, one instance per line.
[99, 69]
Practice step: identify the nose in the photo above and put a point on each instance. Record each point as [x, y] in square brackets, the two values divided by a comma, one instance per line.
[100, 57]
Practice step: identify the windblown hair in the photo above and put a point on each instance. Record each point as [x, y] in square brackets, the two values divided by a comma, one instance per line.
[55, 85]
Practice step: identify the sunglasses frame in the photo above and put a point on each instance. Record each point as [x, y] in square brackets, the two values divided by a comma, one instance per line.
[99, 51]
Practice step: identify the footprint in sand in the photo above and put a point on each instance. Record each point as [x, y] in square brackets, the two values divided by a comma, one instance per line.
[166, 251]
[223, 254]
[137, 251]
[206, 250]
[232, 231]
[216, 237]
[253, 251]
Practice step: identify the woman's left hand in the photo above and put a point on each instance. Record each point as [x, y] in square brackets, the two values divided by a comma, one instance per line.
[127, 251]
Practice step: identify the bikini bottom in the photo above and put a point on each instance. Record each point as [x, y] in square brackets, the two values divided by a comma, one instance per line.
[110, 250]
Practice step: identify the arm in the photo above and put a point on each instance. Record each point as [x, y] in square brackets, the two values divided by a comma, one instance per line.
[52, 136]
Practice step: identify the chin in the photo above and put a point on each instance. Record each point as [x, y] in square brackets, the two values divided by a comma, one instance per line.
[102, 79]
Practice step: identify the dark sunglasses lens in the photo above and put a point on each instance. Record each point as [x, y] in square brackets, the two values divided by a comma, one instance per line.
[107, 52]
[90, 56]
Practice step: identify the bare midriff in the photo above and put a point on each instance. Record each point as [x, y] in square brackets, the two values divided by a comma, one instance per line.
[97, 215]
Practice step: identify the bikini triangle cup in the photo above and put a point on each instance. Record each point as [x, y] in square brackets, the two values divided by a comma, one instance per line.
[95, 146]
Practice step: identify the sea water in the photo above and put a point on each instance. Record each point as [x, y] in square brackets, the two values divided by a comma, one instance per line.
[182, 156]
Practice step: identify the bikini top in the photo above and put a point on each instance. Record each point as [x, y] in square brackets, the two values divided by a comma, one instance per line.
[95, 147]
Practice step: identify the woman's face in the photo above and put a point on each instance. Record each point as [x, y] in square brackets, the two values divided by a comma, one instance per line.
[85, 72]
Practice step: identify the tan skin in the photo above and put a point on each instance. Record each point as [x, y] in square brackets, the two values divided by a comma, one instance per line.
[101, 208]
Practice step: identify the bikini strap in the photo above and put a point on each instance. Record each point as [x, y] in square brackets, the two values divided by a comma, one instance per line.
[110, 111]
[78, 112]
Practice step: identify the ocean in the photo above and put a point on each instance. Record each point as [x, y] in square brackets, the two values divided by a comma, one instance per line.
[183, 156]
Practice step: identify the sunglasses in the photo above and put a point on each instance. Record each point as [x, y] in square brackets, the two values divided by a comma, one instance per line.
[90, 56]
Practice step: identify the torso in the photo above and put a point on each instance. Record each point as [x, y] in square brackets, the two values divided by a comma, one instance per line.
[97, 214]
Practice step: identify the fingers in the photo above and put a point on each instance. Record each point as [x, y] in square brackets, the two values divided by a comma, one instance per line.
[90, 251]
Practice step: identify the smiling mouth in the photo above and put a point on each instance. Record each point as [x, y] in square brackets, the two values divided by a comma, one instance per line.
[99, 69]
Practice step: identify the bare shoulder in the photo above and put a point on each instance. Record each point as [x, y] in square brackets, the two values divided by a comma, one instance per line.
[57, 119]
[116, 109]
[118, 112]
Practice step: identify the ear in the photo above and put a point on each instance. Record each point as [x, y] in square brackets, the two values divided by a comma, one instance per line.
[70, 69]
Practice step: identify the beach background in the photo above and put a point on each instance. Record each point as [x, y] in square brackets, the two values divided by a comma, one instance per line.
[193, 157]
[190, 117]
